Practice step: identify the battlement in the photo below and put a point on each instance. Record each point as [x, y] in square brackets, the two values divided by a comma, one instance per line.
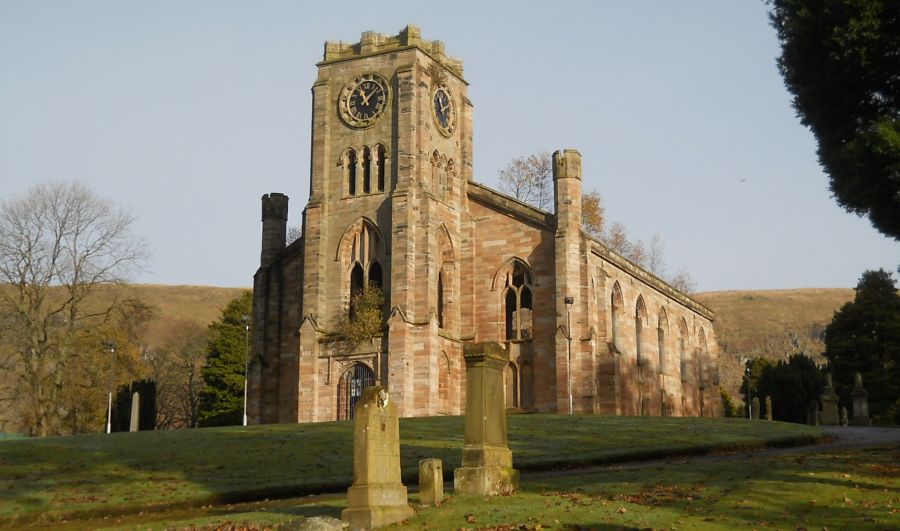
[372, 43]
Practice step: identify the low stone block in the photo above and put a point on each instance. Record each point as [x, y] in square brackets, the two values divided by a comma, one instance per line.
[431, 482]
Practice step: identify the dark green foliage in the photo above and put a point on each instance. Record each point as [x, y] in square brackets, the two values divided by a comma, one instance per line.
[222, 401]
[749, 388]
[864, 337]
[729, 408]
[840, 60]
[793, 385]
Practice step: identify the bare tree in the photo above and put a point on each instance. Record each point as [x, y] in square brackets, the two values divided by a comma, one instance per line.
[529, 179]
[683, 282]
[656, 259]
[176, 367]
[58, 244]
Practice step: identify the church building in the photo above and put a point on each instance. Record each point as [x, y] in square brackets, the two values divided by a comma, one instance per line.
[393, 203]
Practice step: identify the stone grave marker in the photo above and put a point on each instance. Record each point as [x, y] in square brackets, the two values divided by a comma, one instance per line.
[377, 496]
[769, 415]
[844, 420]
[431, 482]
[860, 402]
[135, 412]
[754, 408]
[829, 401]
[487, 461]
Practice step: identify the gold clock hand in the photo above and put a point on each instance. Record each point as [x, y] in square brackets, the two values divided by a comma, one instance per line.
[365, 98]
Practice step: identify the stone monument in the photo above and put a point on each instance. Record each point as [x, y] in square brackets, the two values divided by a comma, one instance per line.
[431, 482]
[844, 421]
[860, 403]
[487, 461]
[135, 412]
[829, 401]
[769, 415]
[754, 408]
[377, 496]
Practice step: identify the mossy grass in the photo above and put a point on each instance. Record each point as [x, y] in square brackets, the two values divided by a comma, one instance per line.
[95, 475]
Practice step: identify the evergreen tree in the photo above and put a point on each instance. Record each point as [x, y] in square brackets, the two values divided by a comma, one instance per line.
[840, 60]
[222, 401]
[793, 385]
[864, 337]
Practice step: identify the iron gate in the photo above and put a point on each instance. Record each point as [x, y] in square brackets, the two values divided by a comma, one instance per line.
[355, 379]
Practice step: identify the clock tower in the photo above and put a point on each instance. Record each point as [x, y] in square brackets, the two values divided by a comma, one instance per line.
[391, 153]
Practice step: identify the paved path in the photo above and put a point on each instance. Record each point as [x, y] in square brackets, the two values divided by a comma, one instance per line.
[853, 436]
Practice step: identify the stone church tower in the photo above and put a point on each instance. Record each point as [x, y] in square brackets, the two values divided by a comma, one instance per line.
[393, 203]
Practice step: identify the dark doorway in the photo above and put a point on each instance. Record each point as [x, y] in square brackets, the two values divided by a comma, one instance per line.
[350, 388]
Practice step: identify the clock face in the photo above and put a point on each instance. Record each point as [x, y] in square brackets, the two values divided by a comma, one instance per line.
[364, 100]
[444, 111]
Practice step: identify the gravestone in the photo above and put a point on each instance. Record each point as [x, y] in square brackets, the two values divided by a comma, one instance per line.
[829, 401]
[377, 497]
[135, 412]
[487, 461]
[431, 482]
[754, 408]
[769, 415]
[844, 421]
[860, 402]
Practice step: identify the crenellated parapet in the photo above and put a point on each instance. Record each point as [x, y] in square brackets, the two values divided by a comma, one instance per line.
[372, 43]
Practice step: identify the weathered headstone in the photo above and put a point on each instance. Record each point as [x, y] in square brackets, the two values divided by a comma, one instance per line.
[769, 408]
[377, 497]
[829, 401]
[860, 402]
[487, 461]
[431, 482]
[135, 412]
[844, 420]
[754, 408]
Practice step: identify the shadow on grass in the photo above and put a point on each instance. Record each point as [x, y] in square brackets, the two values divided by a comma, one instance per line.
[123, 473]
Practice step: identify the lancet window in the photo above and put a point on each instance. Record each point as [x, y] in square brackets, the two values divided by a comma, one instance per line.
[365, 171]
[517, 301]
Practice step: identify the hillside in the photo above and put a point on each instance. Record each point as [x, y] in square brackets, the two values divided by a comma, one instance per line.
[770, 323]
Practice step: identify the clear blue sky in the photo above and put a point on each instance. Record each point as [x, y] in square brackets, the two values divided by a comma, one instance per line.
[187, 112]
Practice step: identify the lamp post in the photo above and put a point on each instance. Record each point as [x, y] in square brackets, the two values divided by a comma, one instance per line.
[569, 302]
[748, 365]
[246, 319]
[111, 347]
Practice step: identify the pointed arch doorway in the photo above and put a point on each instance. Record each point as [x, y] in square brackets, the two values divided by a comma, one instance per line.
[350, 388]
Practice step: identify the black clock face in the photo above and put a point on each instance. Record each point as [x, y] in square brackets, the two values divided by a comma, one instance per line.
[367, 100]
[444, 112]
[364, 100]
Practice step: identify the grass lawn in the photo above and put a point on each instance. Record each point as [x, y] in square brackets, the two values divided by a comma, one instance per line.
[94, 475]
[854, 489]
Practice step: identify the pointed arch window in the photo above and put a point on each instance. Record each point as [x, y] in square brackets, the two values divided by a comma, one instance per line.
[440, 299]
[682, 351]
[661, 340]
[350, 171]
[361, 254]
[367, 170]
[381, 162]
[640, 316]
[616, 309]
[517, 302]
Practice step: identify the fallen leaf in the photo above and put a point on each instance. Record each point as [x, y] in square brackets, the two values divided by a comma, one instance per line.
[622, 510]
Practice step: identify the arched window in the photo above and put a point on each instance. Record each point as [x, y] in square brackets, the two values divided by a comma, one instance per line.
[350, 388]
[350, 171]
[435, 172]
[701, 359]
[360, 253]
[640, 317]
[367, 170]
[517, 302]
[448, 184]
[615, 312]
[440, 299]
[682, 350]
[661, 339]
[444, 382]
[381, 162]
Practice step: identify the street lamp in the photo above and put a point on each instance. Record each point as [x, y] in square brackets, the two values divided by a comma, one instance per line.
[111, 347]
[246, 319]
[569, 302]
